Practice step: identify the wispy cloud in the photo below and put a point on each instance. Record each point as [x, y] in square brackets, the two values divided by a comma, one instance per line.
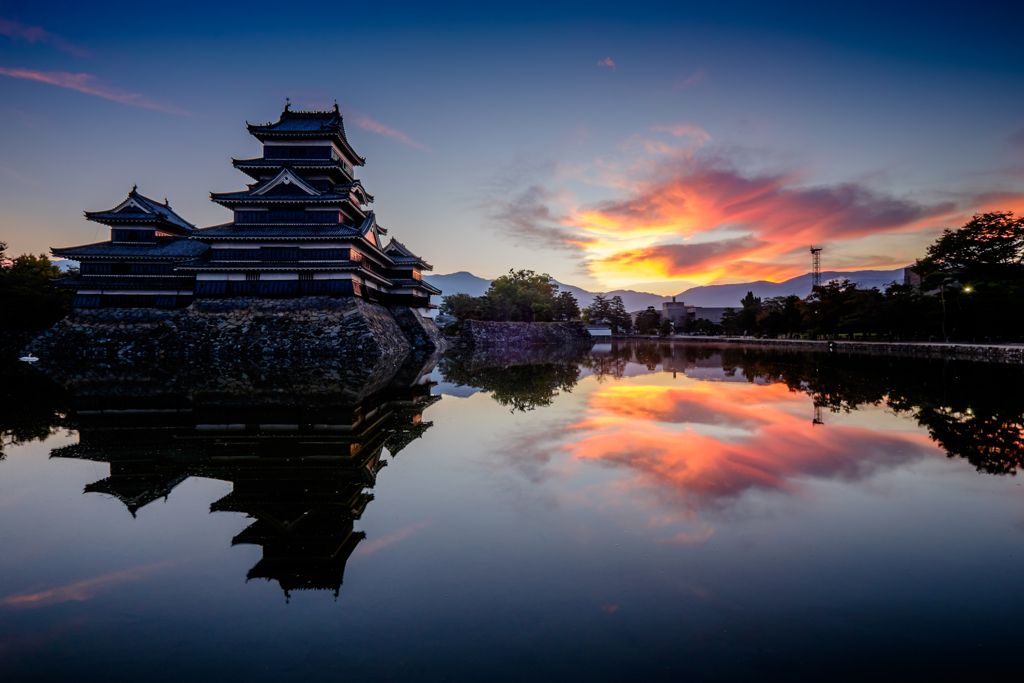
[35, 34]
[82, 590]
[91, 85]
[607, 61]
[684, 130]
[364, 122]
[17, 176]
[529, 219]
[693, 79]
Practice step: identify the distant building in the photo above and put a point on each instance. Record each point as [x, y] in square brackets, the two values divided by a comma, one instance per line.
[599, 330]
[679, 313]
[712, 314]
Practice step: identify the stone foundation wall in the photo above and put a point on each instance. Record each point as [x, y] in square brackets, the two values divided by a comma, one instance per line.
[479, 334]
[421, 332]
[305, 326]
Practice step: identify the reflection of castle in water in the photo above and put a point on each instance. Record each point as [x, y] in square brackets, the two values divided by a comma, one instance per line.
[300, 465]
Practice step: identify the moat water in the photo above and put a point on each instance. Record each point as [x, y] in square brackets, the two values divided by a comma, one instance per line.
[641, 512]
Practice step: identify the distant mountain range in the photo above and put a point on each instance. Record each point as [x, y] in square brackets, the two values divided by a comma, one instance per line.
[711, 296]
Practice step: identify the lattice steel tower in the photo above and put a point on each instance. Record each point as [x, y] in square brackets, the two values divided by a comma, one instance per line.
[815, 267]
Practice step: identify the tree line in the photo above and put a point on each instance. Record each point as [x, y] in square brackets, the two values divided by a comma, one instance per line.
[969, 287]
[28, 298]
[520, 296]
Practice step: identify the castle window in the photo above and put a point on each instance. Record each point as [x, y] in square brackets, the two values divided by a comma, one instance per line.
[279, 254]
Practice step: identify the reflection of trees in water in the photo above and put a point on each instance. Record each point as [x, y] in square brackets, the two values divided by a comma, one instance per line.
[519, 387]
[648, 354]
[32, 406]
[609, 362]
[993, 443]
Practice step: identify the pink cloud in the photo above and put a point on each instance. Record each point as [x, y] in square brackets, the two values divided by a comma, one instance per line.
[607, 61]
[364, 122]
[680, 130]
[91, 85]
[17, 176]
[35, 34]
[697, 76]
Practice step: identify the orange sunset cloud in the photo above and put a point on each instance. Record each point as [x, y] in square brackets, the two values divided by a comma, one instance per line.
[687, 214]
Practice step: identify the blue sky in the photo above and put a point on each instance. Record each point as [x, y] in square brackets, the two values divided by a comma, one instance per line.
[609, 144]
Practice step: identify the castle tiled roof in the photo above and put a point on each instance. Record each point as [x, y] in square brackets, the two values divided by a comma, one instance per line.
[254, 168]
[284, 231]
[163, 248]
[420, 284]
[287, 187]
[307, 124]
[399, 253]
[139, 209]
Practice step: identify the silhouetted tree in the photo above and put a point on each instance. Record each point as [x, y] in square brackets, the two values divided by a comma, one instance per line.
[566, 307]
[648, 322]
[618, 316]
[28, 298]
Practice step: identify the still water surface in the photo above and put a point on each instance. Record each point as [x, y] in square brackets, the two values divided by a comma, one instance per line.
[647, 511]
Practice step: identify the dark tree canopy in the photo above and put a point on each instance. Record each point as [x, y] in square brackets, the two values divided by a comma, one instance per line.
[989, 247]
[649, 321]
[519, 296]
[517, 387]
[28, 298]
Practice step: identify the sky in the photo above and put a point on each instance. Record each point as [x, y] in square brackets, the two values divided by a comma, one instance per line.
[649, 146]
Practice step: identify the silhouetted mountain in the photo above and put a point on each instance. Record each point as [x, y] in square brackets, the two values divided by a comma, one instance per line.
[459, 283]
[713, 296]
[730, 295]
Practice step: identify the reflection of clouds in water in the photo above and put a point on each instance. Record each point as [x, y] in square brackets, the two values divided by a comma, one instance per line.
[373, 546]
[82, 590]
[659, 433]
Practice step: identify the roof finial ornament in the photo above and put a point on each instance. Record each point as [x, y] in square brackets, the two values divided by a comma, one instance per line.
[287, 104]
[166, 202]
[335, 105]
[135, 187]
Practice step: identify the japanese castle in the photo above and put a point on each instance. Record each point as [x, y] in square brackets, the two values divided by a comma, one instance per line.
[301, 228]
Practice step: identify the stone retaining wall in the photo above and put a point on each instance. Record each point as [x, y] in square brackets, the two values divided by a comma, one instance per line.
[305, 326]
[421, 332]
[477, 334]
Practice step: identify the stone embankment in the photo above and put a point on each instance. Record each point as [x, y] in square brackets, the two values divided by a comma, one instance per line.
[480, 334]
[305, 326]
[993, 353]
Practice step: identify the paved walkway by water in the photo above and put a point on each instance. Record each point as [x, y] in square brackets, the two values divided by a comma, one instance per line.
[1001, 353]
